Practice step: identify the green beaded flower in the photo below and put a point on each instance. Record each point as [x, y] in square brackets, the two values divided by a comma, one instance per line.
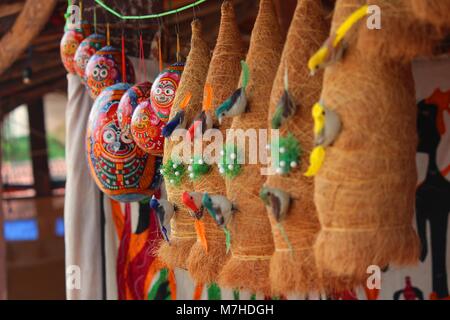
[198, 168]
[173, 172]
[289, 154]
[228, 163]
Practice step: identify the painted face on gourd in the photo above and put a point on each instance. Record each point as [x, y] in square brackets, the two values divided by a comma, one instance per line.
[87, 48]
[146, 128]
[164, 89]
[68, 46]
[129, 102]
[105, 69]
[119, 167]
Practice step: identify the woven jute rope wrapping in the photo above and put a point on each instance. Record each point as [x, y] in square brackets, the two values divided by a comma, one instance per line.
[364, 192]
[251, 236]
[436, 12]
[401, 36]
[294, 271]
[223, 77]
[192, 82]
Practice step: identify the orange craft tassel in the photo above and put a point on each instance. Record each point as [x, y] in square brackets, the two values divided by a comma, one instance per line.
[200, 229]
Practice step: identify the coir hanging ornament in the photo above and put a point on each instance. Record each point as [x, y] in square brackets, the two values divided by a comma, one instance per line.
[118, 166]
[223, 77]
[364, 192]
[250, 231]
[287, 194]
[187, 103]
[150, 117]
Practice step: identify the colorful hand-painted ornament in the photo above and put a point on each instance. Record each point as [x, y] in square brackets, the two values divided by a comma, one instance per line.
[237, 103]
[146, 129]
[105, 69]
[119, 167]
[69, 45]
[130, 101]
[165, 211]
[164, 89]
[173, 172]
[221, 210]
[87, 48]
[289, 154]
[286, 107]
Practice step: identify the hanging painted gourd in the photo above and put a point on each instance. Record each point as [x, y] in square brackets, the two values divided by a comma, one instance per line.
[119, 167]
[163, 90]
[70, 43]
[146, 129]
[87, 48]
[129, 102]
[105, 69]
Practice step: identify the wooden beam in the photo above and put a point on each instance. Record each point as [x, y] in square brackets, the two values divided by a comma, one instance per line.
[31, 94]
[10, 9]
[3, 286]
[29, 23]
[39, 150]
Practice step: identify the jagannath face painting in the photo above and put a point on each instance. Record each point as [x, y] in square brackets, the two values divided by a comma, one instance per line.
[164, 89]
[146, 128]
[105, 69]
[121, 169]
[69, 45]
[87, 48]
[129, 102]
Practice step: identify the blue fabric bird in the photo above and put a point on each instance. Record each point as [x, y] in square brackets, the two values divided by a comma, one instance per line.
[237, 103]
[165, 211]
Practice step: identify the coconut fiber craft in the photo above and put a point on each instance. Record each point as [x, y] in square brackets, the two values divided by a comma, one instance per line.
[188, 102]
[364, 192]
[251, 236]
[204, 264]
[289, 194]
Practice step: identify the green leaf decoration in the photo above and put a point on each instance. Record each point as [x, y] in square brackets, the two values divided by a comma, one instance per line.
[228, 164]
[173, 172]
[198, 168]
[245, 74]
[236, 294]
[227, 239]
[214, 292]
[289, 154]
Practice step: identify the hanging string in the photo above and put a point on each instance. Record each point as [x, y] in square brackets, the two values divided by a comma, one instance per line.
[177, 28]
[95, 19]
[108, 35]
[124, 68]
[160, 58]
[148, 16]
[142, 56]
[81, 10]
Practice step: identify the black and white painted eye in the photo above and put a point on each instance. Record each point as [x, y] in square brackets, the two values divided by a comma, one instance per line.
[169, 92]
[95, 72]
[109, 136]
[104, 73]
[158, 91]
[126, 138]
